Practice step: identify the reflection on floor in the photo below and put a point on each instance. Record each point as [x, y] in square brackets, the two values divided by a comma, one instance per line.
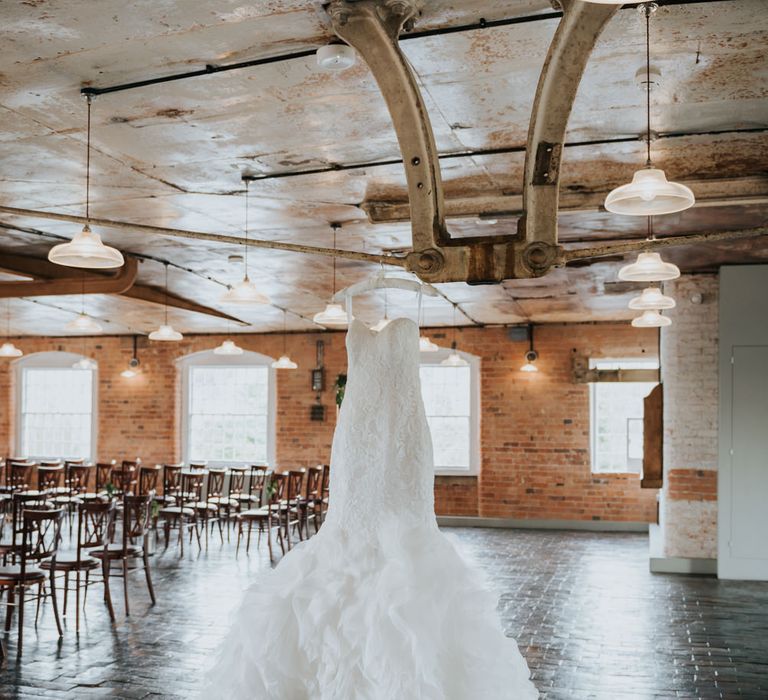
[590, 619]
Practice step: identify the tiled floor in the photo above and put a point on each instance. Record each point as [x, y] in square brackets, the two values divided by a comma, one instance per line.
[590, 619]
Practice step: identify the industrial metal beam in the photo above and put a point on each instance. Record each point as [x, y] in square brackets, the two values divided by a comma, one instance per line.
[55, 280]
[741, 191]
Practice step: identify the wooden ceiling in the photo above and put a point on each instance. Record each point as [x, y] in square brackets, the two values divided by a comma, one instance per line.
[174, 154]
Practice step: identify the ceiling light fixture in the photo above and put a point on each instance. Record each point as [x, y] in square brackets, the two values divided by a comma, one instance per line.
[228, 347]
[245, 291]
[133, 364]
[86, 249]
[425, 344]
[84, 324]
[652, 298]
[649, 193]
[531, 355]
[651, 318]
[333, 314]
[649, 267]
[8, 349]
[335, 56]
[454, 359]
[284, 362]
[165, 332]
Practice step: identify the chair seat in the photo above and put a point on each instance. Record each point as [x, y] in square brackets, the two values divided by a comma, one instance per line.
[176, 510]
[65, 500]
[223, 501]
[115, 551]
[69, 563]
[204, 505]
[255, 513]
[12, 574]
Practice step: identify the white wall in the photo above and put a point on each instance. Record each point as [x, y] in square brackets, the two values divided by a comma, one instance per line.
[743, 453]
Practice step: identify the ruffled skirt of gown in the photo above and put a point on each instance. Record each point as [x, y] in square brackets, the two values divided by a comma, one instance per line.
[395, 615]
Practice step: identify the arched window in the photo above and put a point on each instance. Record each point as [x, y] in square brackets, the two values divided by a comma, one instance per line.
[227, 408]
[452, 402]
[55, 406]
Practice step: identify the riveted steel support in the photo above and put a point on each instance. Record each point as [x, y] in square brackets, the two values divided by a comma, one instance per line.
[571, 47]
[372, 27]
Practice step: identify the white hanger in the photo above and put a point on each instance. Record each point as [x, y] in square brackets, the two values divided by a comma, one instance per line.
[383, 281]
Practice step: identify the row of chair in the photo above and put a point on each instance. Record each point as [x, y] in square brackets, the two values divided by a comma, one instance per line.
[32, 557]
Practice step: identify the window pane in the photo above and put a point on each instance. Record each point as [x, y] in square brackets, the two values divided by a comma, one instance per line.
[447, 400]
[618, 425]
[228, 414]
[56, 412]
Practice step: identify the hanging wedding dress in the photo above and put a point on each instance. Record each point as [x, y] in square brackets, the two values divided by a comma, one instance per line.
[378, 605]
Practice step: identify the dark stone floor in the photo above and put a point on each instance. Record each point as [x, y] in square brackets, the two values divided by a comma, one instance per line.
[589, 618]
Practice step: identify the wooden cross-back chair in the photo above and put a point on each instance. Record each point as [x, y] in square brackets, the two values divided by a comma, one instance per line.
[290, 507]
[148, 479]
[221, 481]
[20, 476]
[40, 537]
[131, 549]
[267, 517]
[311, 503]
[50, 477]
[21, 501]
[95, 528]
[78, 475]
[185, 488]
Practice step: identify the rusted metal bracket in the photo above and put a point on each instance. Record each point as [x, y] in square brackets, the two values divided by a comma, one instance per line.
[372, 27]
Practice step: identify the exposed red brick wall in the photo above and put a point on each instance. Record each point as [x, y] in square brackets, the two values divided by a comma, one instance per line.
[534, 433]
[456, 495]
[692, 484]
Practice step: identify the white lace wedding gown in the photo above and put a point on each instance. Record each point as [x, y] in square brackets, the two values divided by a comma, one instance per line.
[378, 605]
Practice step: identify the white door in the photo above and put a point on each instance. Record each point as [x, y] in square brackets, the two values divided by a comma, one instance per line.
[743, 479]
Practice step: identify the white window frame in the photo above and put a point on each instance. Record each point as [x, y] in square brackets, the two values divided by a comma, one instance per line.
[207, 358]
[435, 358]
[626, 363]
[54, 360]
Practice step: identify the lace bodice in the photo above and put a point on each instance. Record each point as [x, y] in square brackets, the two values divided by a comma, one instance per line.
[381, 462]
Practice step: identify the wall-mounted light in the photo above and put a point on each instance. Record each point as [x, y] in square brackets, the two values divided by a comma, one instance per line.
[531, 355]
[133, 364]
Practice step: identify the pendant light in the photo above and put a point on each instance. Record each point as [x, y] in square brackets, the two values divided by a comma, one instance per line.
[228, 347]
[245, 292]
[651, 318]
[133, 364]
[649, 193]
[649, 267]
[454, 359]
[383, 322]
[83, 323]
[531, 355]
[85, 362]
[652, 298]
[165, 332]
[333, 314]
[8, 349]
[86, 249]
[284, 362]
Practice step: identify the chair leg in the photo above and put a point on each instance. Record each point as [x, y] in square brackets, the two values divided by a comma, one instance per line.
[125, 586]
[107, 592]
[77, 602]
[248, 542]
[20, 620]
[66, 589]
[87, 584]
[149, 577]
[9, 608]
[37, 607]
[239, 535]
[167, 531]
[55, 604]
[221, 532]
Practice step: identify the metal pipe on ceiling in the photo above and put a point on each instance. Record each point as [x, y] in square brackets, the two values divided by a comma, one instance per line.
[212, 69]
